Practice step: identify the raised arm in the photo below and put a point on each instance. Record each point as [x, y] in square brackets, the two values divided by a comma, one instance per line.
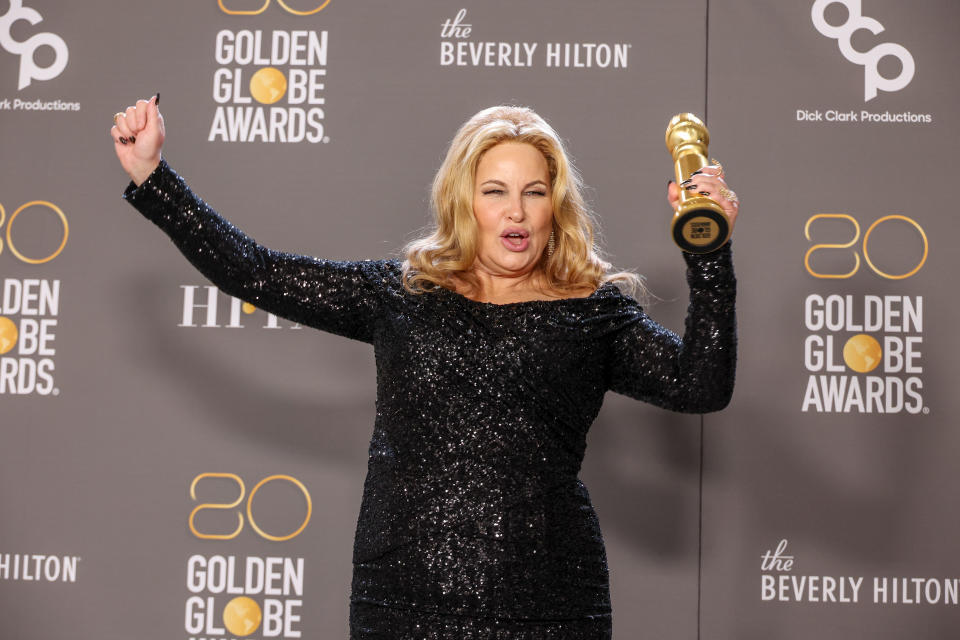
[694, 374]
[341, 297]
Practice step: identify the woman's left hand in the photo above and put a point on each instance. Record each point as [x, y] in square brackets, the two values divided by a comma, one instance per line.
[708, 181]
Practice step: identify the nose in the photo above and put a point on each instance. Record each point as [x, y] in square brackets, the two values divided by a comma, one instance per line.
[515, 212]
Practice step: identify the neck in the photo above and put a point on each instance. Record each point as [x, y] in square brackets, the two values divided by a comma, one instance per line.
[501, 288]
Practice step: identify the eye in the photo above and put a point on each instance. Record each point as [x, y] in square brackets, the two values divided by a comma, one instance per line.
[493, 192]
[536, 192]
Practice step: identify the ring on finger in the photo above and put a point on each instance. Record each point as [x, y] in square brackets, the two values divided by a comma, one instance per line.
[117, 116]
[719, 166]
[729, 195]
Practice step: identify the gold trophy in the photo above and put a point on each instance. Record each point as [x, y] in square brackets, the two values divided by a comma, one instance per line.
[700, 225]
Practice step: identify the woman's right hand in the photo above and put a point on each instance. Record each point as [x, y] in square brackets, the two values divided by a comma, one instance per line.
[138, 136]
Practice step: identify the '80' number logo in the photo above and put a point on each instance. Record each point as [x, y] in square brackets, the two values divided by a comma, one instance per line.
[9, 231]
[266, 3]
[232, 505]
[866, 246]
[869, 60]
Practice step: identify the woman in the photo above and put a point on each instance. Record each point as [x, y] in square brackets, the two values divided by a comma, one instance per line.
[495, 342]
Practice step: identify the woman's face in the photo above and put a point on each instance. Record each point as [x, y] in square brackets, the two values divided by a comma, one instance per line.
[513, 205]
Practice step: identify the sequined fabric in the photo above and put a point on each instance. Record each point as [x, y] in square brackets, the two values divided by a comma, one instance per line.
[372, 622]
[474, 523]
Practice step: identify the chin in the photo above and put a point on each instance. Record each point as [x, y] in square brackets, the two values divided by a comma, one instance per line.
[517, 264]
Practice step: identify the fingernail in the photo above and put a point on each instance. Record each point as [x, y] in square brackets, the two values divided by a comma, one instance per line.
[704, 193]
[696, 173]
[685, 182]
[133, 138]
[157, 101]
[670, 181]
[690, 187]
[123, 140]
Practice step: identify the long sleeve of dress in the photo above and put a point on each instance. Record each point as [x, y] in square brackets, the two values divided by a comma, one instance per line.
[694, 374]
[340, 297]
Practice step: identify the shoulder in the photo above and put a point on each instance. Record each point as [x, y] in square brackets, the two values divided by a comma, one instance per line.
[384, 268]
[615, 297]
[384, 276]
[381, 274]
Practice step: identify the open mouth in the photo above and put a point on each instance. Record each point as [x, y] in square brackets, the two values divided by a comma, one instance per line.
[515, 238]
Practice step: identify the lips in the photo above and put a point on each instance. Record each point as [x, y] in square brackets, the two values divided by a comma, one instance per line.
[515, 231]
[515, 238]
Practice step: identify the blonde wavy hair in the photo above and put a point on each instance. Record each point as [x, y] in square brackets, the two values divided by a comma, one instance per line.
[450, 250]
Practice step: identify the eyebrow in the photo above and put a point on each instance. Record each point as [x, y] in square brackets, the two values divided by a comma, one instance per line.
[503, 184]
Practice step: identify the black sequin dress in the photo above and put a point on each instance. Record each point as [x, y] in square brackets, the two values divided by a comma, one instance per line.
[473, 522]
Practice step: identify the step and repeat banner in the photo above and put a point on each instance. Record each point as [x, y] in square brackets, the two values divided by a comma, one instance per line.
[175, 463]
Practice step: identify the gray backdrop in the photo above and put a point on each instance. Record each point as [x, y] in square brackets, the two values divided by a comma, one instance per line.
[112, 409]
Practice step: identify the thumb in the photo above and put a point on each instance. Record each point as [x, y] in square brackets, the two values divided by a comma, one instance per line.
[673, 194]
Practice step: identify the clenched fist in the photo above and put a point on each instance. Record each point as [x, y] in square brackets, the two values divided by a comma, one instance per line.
[138, 135]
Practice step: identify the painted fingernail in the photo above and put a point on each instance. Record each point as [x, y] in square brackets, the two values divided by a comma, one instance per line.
[133, 138]
[685, 182]
[704, 193]
[123, 140]
[690, 187]
[696, 173]
[157, 101]
[670, 181]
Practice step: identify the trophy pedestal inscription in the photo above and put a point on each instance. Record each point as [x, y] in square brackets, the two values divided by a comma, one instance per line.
[700, 225]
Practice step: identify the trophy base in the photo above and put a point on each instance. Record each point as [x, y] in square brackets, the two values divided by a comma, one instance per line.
[700, 226]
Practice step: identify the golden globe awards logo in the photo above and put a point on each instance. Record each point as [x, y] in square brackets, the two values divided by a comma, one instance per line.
[270, 85]
[244, 596]
[863, 352]
[29, 307]
[222, 587]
